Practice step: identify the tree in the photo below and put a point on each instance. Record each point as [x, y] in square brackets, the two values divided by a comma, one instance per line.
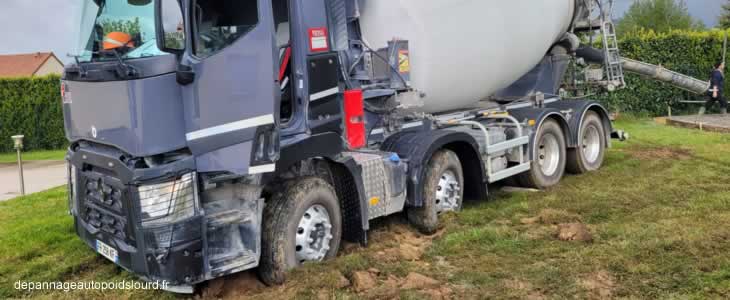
[658, 15]
[724, 19]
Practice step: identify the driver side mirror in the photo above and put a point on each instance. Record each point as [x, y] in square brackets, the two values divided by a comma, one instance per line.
[170, 26]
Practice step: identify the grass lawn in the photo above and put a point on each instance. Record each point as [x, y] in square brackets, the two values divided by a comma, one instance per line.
[658, 211]
[33, 155]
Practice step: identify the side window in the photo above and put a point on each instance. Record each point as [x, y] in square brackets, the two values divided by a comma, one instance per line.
[219, 23]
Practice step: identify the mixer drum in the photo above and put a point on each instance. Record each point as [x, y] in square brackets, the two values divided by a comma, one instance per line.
[463, 51]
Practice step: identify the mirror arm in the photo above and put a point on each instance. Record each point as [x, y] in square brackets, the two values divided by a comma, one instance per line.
[185, 74]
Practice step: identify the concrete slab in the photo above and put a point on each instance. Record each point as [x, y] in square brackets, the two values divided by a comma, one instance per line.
[39, 176]
[714, 123]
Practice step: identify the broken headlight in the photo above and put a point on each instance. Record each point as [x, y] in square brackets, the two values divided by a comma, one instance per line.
[168, 202]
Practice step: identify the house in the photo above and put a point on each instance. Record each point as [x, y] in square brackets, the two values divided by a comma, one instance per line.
[29, 65]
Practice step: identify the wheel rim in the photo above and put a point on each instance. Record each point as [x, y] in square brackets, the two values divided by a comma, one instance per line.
[314, 234]
[591, 144]
[548, 154]
[447, 192]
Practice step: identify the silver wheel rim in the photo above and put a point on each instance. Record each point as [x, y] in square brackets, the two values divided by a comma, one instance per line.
[591, 144]
[548, 154]
[447, 192]
[313, 235]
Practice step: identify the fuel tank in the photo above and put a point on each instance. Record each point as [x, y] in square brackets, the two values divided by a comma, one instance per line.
[463, 51]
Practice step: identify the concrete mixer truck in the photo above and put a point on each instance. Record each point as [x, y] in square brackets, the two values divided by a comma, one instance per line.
[209, 137]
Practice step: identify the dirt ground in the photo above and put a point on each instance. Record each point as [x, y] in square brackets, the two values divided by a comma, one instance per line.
[391, 240]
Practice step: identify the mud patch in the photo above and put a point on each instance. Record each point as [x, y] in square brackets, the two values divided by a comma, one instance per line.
[578, 232]
[363, 281]
[546, 223]
[387, 289]
[525, 289]
[232, 286]
[396, 241]
[600, 285]
[419, 281]
[517, 285]
[392, 241]
[213, 289]
[661, 153]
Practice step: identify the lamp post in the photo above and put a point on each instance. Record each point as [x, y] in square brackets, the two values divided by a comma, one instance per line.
[18, 143]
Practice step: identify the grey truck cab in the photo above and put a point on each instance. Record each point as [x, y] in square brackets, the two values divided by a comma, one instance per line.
[209, 137]
[175, 134]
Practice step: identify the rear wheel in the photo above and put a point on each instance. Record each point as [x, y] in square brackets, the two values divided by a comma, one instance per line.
[442, 191]
[549, 157]
[302, 223]
[588, 155]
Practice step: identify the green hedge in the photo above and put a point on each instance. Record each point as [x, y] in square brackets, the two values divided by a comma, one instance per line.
[691, 53]
[32, 107]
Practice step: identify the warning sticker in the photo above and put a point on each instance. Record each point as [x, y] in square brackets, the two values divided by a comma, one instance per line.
[404, 61]
[318, 39]
[65, 94]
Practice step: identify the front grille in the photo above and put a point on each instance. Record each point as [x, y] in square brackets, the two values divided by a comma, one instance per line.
[106, 222]
[100, 192]
[103, 204]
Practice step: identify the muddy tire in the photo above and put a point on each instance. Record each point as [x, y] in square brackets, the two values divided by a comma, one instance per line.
[442, 191]
[549, 158]
[589, 154]
[303, 215]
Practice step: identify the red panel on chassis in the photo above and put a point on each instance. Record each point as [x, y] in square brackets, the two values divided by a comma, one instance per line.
[354, 119]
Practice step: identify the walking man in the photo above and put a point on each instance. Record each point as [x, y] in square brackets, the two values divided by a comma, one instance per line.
[717, 86]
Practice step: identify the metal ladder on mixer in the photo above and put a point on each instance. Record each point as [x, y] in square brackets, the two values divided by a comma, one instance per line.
[614, 65]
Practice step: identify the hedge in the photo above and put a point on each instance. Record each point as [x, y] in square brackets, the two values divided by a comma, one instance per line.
[686, 52]
[32, 107]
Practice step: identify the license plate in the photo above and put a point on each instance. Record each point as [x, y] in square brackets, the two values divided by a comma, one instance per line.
[107, 251]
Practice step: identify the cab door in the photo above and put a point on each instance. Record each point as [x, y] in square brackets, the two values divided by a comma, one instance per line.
[232, 107]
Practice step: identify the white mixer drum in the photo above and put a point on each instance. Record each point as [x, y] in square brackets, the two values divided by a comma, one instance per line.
[463, 51]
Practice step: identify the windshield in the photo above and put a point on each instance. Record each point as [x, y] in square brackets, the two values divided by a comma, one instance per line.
[118, 27]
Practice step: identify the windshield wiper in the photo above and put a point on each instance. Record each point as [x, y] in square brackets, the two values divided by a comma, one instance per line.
[127, 70]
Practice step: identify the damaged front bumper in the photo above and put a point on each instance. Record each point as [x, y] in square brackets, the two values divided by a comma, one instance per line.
[158, 222]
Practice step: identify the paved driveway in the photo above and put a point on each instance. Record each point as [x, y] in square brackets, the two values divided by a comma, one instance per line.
[39, 176]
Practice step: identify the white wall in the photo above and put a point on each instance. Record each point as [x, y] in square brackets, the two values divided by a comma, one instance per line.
[51, 66]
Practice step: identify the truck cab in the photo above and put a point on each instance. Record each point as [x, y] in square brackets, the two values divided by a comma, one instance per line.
[208, 137]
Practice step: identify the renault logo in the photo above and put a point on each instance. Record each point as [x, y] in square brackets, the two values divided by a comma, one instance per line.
[93, 131]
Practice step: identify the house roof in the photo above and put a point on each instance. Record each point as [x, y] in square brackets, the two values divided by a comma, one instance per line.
[24, 65]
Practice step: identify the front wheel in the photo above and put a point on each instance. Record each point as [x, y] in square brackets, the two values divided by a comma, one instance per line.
[442, 191]
[589, 154]
[549, 158]
[302, 223]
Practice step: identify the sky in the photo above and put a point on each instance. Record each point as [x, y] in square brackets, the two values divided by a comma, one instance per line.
[28, 26]
[705, 10]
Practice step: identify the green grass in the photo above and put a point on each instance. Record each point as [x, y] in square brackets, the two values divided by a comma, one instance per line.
[659, 213]
[33, 155]
[38, 243]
